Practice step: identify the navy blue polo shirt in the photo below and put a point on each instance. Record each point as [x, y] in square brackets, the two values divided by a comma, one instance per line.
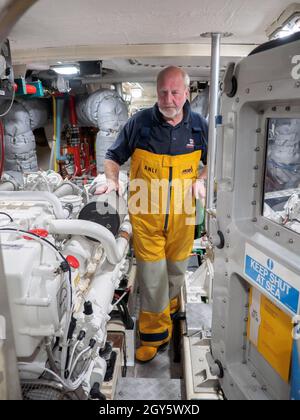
[147, 130]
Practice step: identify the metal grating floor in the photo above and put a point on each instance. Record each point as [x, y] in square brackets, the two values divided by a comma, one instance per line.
[149, 389]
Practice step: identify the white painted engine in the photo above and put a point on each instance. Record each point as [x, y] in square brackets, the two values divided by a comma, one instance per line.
[61, 275]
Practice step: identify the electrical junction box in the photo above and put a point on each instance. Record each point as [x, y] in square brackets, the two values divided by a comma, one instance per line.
[32, 89]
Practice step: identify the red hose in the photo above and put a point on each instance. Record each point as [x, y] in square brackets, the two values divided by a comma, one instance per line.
[77, 162]
[2, 149]
[72, 107]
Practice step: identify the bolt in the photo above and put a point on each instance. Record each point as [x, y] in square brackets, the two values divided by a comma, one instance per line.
[226, 274]
[287, 108]
[270, 88]
[244, 348]
[254, 203]
[227, 246]
[266, 228]
[253, 375]
[277, 233]
[274, 108]
[258, 130]
[291, 241]
[256, 167]
[228, 216]
[257, 149]
[255, 185]
[246, 319]
[297, 84]
[264, 388]
[237, 100]
[224, 301]
[247, 91]
[228, 230]
[223, 327]
[254, 220]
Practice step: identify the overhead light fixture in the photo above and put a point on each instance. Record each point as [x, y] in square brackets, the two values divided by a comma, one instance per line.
[66, 69]
[287, 24]
[136, 93]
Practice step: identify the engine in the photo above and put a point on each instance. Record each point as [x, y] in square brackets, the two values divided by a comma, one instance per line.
[62, 272]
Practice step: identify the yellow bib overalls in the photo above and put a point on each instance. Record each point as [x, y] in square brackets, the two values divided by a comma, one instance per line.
[163, 235]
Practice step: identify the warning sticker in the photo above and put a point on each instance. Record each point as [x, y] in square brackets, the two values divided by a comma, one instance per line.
[275, 279]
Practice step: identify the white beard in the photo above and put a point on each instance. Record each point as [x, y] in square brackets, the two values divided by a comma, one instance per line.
[170, 113]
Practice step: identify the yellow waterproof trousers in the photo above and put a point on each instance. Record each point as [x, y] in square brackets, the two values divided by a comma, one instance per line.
[162, 213]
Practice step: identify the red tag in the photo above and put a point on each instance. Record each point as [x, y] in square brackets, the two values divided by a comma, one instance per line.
[73, 262]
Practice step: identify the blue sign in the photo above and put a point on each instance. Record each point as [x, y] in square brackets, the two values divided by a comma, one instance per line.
[295, 375]
[275, 286]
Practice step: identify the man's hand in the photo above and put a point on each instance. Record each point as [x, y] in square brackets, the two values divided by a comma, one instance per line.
[199, 190]
[107, 188]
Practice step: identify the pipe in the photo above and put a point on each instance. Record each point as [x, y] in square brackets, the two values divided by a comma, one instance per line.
[54, 134]
[72, 109]
[35, 196]
[65, 189]
[59, 116]
[106, 110]
[201, 103]
[102, 290]
[114, 249]
[11, 13]
[7, 186]
[213, 112]
[20, 145]
[75, 137]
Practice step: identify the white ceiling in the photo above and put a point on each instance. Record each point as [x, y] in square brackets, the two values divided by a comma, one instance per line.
[54, 23]
[163, 31]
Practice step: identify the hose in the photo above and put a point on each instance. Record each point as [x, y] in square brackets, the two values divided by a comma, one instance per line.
[35, 196]
[2, 149]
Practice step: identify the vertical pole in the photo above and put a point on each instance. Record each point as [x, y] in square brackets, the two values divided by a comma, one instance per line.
[213, 112]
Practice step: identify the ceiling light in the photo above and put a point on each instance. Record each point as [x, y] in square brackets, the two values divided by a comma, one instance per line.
[136, 93]
[287, 24]
[66, 69]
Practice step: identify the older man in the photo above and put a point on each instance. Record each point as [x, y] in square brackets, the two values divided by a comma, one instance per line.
[166, 144]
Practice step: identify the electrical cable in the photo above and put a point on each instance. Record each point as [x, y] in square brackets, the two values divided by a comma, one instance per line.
[12, 102]
[127, 291]
[7, 215]
[30, 368]
[124, 368]
[86, 350]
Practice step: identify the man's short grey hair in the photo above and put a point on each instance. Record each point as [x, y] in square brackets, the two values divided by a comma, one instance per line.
[185, 76]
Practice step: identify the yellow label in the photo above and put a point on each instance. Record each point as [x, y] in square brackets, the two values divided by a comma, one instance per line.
[77, 280]
[270, 330]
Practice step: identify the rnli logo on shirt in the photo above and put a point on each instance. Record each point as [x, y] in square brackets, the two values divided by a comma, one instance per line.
[151, 170]
[187, 171]
[191, 144]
